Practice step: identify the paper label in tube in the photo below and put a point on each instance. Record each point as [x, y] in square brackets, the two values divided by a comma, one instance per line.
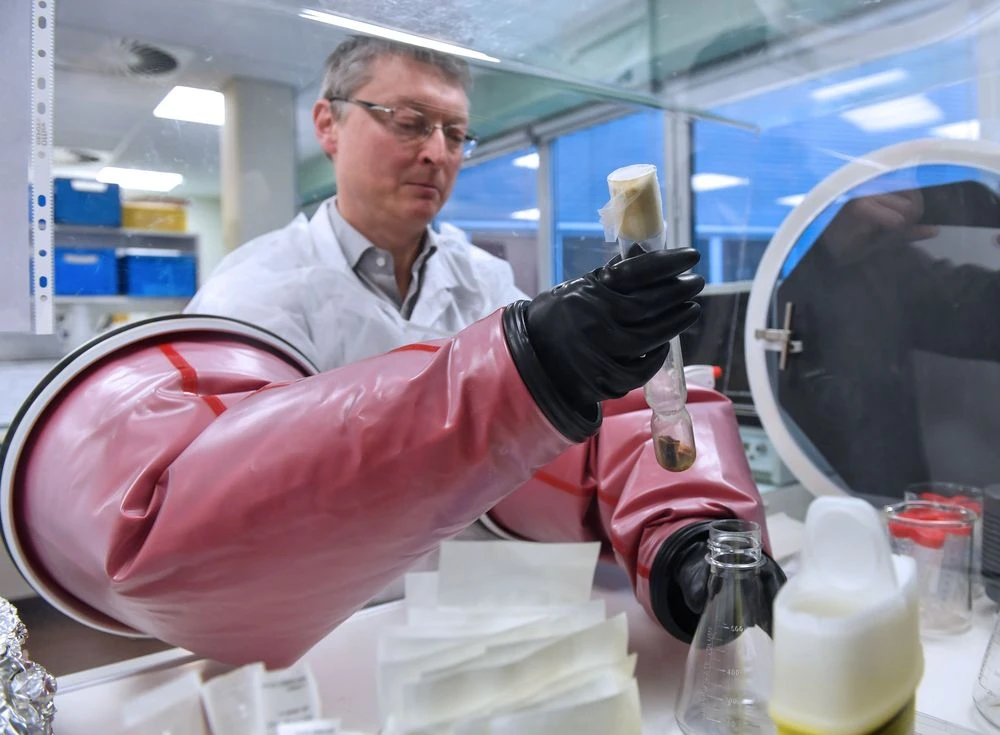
[634, 213]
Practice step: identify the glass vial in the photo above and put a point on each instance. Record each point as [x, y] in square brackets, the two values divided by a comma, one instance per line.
[666, 395]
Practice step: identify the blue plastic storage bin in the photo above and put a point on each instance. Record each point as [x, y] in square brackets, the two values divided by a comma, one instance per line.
[85, 272]
[82, 202]
[158, 274]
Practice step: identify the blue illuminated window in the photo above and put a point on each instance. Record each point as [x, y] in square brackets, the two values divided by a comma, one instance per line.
[581, 163]
[746, 183]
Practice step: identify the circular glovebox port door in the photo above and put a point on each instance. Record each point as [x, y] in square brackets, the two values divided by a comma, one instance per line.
[872, 337]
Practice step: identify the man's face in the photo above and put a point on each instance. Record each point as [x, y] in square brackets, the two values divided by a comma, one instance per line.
[377, 173]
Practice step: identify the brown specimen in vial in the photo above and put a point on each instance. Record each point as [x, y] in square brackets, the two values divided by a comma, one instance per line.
[672, 454]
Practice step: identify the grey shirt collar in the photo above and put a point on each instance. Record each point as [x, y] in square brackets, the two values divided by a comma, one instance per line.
[374, 266]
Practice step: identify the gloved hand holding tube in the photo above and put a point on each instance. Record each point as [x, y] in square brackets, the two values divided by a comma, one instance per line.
[601, 336]
[634, 218]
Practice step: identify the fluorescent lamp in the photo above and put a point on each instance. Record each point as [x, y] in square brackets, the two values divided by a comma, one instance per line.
[855, 86]
[135, 178]
[528, 214]
[373, 30]
[711, 182]
[905, 112]
[527, 161]
[966, 130]
[792, 201]
[189, 104]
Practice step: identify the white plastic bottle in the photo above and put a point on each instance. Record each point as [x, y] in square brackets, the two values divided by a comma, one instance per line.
[847, 653]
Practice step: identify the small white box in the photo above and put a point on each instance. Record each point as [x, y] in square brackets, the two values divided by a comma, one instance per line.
[765, 463]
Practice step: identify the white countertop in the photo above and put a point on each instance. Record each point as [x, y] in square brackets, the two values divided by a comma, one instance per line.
[344, 665]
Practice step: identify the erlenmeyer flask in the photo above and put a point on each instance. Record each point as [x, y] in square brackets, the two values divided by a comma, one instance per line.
[987, 692]
[728, 674]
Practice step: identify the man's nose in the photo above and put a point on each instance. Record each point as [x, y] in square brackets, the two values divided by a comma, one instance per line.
[435, 148]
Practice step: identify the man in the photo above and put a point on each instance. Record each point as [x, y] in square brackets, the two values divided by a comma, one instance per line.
[229, 498]
[367, 274]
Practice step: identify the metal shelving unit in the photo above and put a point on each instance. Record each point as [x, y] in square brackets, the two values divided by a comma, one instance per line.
[125, 303]
[122, 239]
[96, 237]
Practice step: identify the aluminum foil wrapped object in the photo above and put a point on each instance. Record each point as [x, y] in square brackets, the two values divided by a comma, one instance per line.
[27, 694]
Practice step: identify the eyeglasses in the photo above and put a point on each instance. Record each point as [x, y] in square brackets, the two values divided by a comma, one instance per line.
[410, 126]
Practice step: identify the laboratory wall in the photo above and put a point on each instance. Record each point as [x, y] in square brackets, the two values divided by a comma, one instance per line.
[205, 220]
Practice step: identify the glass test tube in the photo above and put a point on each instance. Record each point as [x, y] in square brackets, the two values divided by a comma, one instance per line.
[636, 192]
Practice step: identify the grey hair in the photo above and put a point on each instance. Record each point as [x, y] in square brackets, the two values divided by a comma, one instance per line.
[349, 67]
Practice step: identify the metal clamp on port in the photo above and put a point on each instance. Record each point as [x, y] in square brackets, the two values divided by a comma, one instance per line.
[780, 340]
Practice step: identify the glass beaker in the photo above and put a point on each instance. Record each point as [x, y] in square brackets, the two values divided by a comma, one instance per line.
[727, 678]
[986, 694]
[967, 496]
[939, 538]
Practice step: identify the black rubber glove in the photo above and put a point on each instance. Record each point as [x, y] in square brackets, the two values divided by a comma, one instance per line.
[602, 335]
[678, 582]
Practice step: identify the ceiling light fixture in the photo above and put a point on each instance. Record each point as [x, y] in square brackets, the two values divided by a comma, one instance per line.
[190, 104]
[793, 200]
[856, 86]
[393, 35]
[905, 112]
[713, 182]
[965, 130]
[136, 178]
[529, 160]
[527, 214]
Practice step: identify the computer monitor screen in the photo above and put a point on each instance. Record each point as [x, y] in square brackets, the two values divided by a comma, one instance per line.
[717, 337]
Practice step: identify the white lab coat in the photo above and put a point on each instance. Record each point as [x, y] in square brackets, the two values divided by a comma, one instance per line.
[296, 283]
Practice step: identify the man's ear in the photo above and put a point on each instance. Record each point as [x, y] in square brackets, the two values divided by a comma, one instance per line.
[326, 127]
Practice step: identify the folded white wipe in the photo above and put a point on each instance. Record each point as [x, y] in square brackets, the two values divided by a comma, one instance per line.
[504, 640]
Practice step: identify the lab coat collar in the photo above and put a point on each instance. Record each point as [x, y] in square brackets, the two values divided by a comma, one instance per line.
[331, 251]
[354, 244]
[324, 240]
[441, 277]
